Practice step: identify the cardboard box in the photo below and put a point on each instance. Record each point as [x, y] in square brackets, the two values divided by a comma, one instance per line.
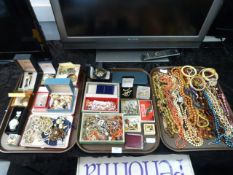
[69, 70]
[99, 128]
[62, 95]
[55, 134]
[47, 69]
[30, 73]
[105, 97]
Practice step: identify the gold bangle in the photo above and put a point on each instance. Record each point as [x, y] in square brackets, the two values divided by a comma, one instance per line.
[201, 84]
[188, 71]
[212, 72]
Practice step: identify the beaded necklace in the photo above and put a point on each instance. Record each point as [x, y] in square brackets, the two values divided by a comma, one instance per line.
[162, 104]
[219, 119]
[167, 88]
[190, 132]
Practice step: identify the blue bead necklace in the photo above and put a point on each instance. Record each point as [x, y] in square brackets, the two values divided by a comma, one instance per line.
[228, 139]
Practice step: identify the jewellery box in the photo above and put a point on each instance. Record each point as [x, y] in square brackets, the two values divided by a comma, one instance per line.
[62, 95]
[47, 131]
[97, 128]
[30, 74]
[69, 70]
[48, 70]
[101, 97]
[20, 98]
[41, 100]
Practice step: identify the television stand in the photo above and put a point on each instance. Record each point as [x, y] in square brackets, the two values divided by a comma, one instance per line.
[135, 56]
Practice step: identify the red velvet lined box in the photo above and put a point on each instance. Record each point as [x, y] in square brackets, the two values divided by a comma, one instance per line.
[41, 96]
[99, 104]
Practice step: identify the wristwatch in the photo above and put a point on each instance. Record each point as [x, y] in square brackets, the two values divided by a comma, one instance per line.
[100, 73]
[15, 121]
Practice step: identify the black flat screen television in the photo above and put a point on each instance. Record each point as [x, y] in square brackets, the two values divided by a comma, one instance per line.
[16, 26]
[134, 24]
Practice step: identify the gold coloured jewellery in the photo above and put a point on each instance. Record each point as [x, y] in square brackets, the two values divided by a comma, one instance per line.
[197, 83]
[188, 71]
[210, 75]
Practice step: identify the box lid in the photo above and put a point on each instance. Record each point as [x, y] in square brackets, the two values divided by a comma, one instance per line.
[47, 67]
[91, 89]
[59, 85]
[24, 60]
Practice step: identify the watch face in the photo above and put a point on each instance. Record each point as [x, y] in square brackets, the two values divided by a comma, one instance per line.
[100, 73]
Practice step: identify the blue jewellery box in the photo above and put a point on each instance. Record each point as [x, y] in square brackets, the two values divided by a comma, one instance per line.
[62, 95]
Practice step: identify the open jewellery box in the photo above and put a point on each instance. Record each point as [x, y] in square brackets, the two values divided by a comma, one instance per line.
[47, 69]
[101, 97]
[29, 72]
[69, 70]
[62, 96]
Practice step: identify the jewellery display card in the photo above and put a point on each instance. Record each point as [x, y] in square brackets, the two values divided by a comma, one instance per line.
[47, 131]
[132, 123]
[13, 139]
[127, 92]
[127, 82]
[143, 92]
[130, 107]
[133, 141]
[97, 128]
[69, 70]
[146, 111]
[149, 129]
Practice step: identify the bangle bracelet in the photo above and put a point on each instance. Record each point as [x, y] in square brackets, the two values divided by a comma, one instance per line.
[188, 71]
[197, 83]
[212, 74]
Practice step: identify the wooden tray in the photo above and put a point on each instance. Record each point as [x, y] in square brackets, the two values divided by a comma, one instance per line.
[73, 136]
[170, 142]
[107, 148]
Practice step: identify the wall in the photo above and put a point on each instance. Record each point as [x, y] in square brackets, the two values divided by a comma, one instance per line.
[44, 14]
